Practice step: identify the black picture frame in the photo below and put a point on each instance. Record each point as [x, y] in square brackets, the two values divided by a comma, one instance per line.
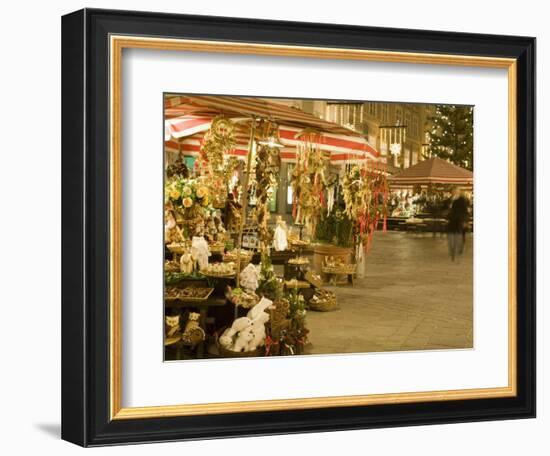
[85, 227]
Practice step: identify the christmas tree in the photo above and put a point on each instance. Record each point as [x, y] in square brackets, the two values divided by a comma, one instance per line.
[451, 135]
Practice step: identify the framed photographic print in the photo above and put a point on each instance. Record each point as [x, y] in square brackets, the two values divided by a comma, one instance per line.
[279, 227]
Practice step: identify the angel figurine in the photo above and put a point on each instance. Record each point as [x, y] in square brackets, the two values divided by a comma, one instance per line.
[200, 251]
[280, 236]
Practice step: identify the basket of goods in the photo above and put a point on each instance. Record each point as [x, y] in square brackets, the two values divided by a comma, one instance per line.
[195, 294]
[193, 334]
[298, 284]
[298, 261]
[247, 335]
[228, 353]
[177, 247]
[313, 279]
[216, 247]
[245, 256]
[333, 265]
[191, 294]
[171, 293]
[323, 301]
[242, 297]
[219, 270]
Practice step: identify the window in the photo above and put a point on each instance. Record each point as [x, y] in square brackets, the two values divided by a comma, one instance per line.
[384, 112]
[398, 115]
[289, 169]
[406, 156]
[273, 199]
[372, 109]
[408, 119]
[351, 114]
[415, 129]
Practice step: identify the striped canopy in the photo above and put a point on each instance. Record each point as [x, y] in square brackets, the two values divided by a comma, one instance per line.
[188, 118]
[433, 171]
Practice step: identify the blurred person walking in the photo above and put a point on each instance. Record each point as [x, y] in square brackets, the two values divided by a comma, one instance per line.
[457, 223]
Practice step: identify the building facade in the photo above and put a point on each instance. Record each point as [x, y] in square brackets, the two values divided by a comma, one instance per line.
[396, 130]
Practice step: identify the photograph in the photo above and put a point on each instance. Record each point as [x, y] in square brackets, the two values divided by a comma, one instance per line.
[292, 226]
[315, 227]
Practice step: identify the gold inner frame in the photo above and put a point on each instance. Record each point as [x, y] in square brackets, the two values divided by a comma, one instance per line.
[117, 44]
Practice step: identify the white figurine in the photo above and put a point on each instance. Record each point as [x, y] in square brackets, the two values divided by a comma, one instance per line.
[249, 277]
[258, 339]
[172, 325]
[238, 325]
[259, 308]
[186, 263]
[243, 339]
[258, 329]
[200, 251]
[246, 334]
[226, 341]
[280, 236]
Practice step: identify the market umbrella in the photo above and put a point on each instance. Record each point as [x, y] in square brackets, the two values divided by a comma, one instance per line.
[433, 171]
[188, 118]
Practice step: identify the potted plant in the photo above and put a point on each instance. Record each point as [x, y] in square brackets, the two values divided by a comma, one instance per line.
[333, 237]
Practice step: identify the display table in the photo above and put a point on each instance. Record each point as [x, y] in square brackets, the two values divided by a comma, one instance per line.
[282, 257]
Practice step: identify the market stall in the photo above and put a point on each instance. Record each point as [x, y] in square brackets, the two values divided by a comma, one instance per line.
[219, 234]
[419, 194]
[433, 171]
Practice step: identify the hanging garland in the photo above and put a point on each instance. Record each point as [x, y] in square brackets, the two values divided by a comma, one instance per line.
[267, 168]
[214, 158]
[365, 193]
[308, 181]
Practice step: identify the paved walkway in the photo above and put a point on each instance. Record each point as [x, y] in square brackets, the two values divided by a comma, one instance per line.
[412, 298]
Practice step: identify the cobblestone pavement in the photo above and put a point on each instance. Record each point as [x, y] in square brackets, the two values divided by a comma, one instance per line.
[413, 297]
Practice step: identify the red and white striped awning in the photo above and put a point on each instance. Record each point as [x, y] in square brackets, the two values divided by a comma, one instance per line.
[188, 118]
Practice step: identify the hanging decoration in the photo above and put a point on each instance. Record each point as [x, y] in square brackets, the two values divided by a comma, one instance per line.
[214, 162]
[331, 192]
[308, 180]
[267, 165]
[365, 193]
